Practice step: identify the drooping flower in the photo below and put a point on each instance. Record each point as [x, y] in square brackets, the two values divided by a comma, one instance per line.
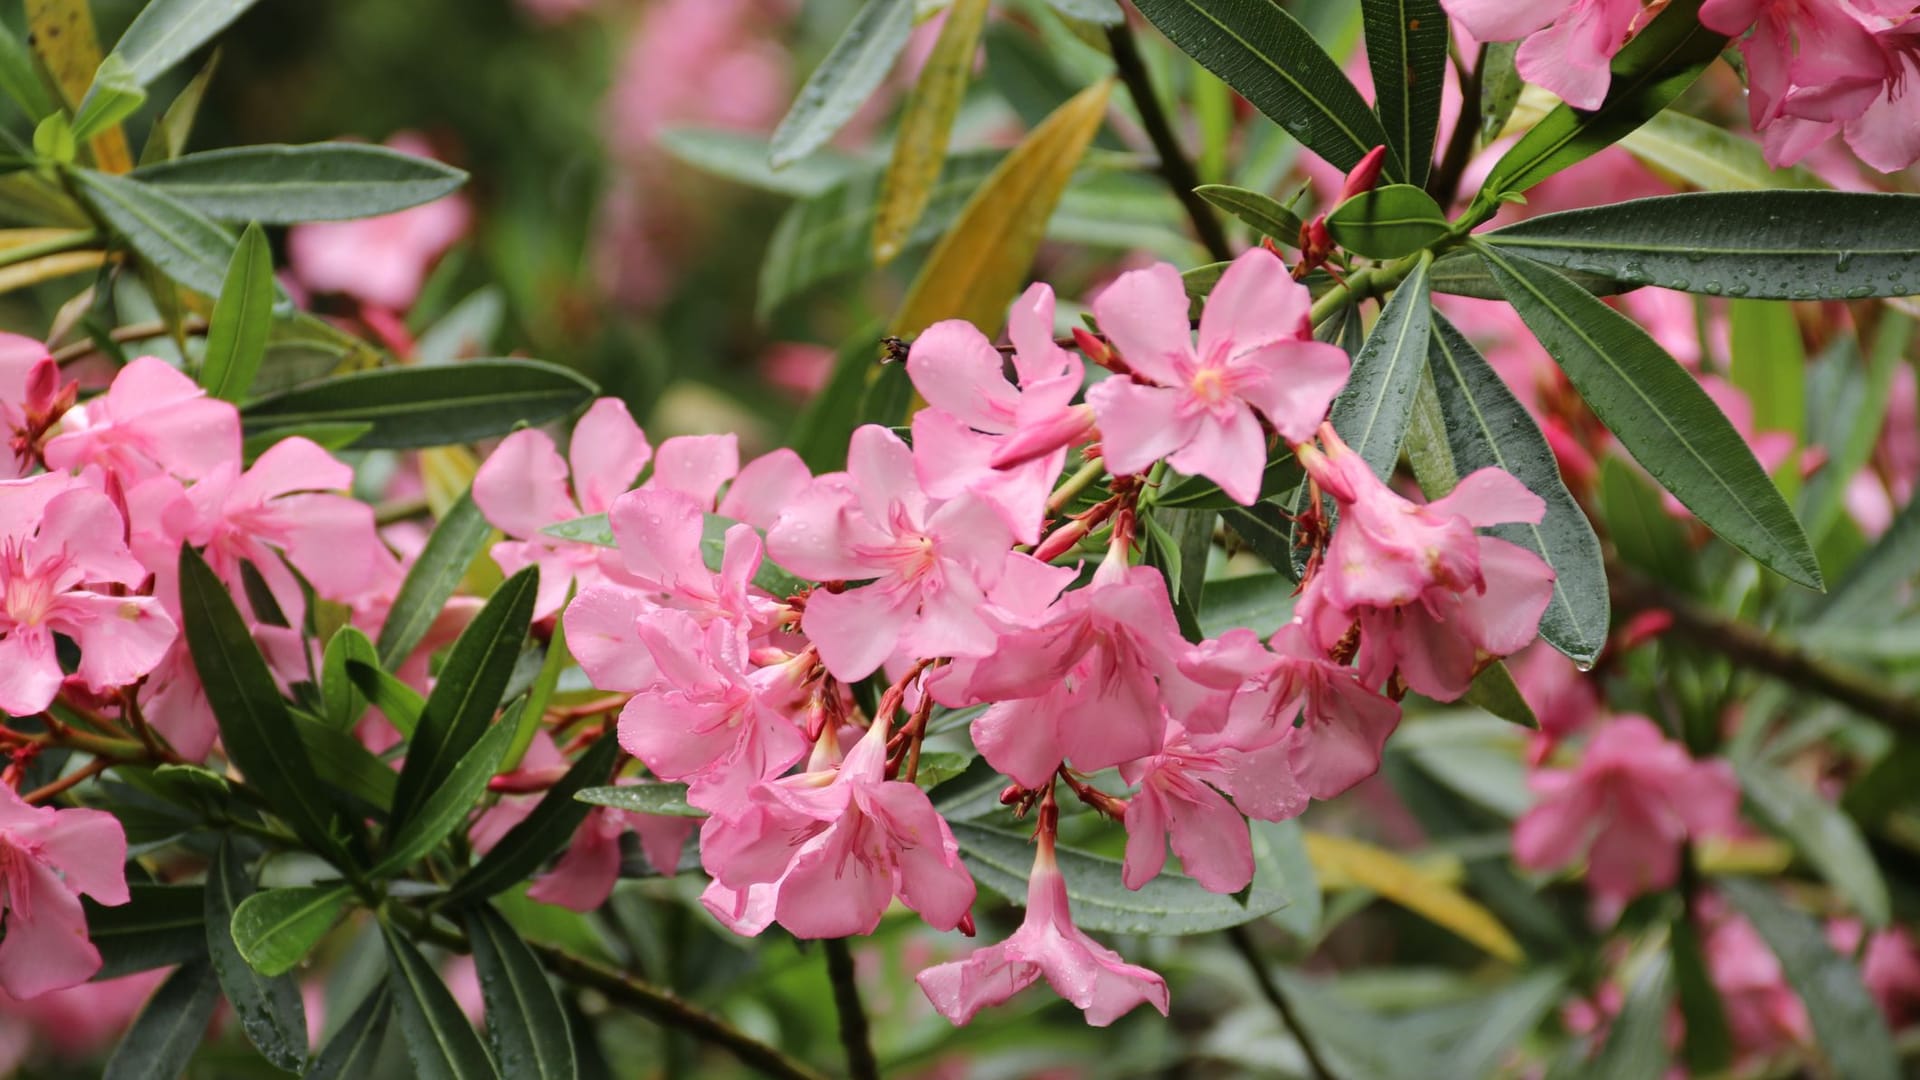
[831, 848]
[61, 548]
[381, 260]
[1083, 971]
[929, 562]
[1628, 804]
[48, 859]
[1197, 407]
[1183, 801]
[151, 420]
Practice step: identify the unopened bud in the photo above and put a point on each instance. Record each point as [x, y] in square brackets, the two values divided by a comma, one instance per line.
[1064, 428]
[1011, 794]
[1061, 540]
[1643, 628]
[1096, 350]
[1364, 175]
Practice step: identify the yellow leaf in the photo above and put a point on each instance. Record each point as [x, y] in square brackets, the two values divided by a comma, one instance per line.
[1754, 856]
[48, 267]
[979, 265]
[1418, 890]
[920, 146]
[62, 34]
[446, 472]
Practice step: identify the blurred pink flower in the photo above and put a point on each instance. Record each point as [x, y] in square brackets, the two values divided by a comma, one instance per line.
[382, 261]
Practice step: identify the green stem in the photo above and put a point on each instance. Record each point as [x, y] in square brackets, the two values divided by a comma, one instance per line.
[854, 1035]
[1075, 484]
[66, 242]
[1373, 281]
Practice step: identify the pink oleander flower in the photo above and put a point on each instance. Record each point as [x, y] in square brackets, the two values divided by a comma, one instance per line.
[1562, 698]
[32, 400]
[1763, 1012]
[72, 1025]
[930, 561]
[1433, 598]
[709, 717]
[1341, 728]
[523, 487]
[1197, 407]
[1083, 971]
[48, 858]
[1890, 967]
[660, 532]
[829, 849]
[1090, 683]
[60, 545]
[982, 433]
[382, 261]
[1806, 59]
[1628, 804]
[151, 420]
[1567, 46]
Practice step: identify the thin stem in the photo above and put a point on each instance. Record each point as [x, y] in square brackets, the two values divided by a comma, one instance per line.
[42, 794]
[1444, 184]
[1174, 165]
[130, 332]
[1750, 647]
[1076, 484]
[853, 1018]
[1243, 944]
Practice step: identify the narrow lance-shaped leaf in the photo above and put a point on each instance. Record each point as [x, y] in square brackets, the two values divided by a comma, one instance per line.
[1486, 426]
[849, 75]
[447, 805]
[284, 185]
[1338, 857]
[920, 145]
[654, 797]
[1407, 54]
[255, 728]
[1824, 836]
[19, 81]
[433, 405]
[435, 574]
[162, 925]
[469, 689]
[269, 1008]
[1660, 414]
[980, 264]
[168, 1030]
[166, 31]
[1371, 413]
[1260, 50]
[440, 1042]
[351, 1053]
[1709, 1045]
[525, 1023]
[1652, 70]
[1768, 245]
[1636, 1045]
[172, 237]
[541, 833]
[275, 929]
[344, 701]
[237, 333]
[1265, 215]
[113, 97]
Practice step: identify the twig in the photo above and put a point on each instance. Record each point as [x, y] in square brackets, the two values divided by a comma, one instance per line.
[1750, 647]
[1243, 944]
[130, 332]
[853, 1018]
[42, 794]
[1444, 184]
[1174, 165]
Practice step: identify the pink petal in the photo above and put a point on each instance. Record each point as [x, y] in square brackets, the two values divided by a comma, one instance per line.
[697, 465]
[959, 989]
[46, 946]
[659, 532]
[603, 636]
[1030, 327]
[1255, 303]
[1491, 497]
[1018, 738]
[959, 372]
[1139, 424]
[607, 452]
[1231, 452]
[857, 630]
[1144, 314]
[522, 486]
[1212, 841]
[929, 876]
[29, 671]
[765, 487]
[832, 890]
[1292, 384]
[121, 638]
[1146, 822]
[584, 877]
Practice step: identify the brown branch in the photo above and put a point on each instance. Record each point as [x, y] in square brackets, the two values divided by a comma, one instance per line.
[1244, 945]
[853, 1017]
[1174, 166]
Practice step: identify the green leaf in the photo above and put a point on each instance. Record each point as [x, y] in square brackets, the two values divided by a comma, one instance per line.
[1709, 1045]
[255, 727]
[849, 75]
[344, 765]
[742, 158]
[1178, 542]
[1642, 531]
[1262, 603]
[448, 803]
[1652, 70]
[1773, 245]
[432, 405]
[1660, 414]
[1372, 412]
[643, 798]
[1388, 222]
[168, 31]
[168, 1030]
[355, 1047]
[982, 260]
[1462, 273]
[1883, 571]
[1407, 54]
[440, 1043]
[1169, 904]
[467, 692]
[1709, 157]
[20, 82]
[1264, 215]
[553, 662]
[1822, 834]
[456, 541]
[114, 96]
[161, 926]
[400, 703]
[1500, 87]
[926, 122]
[1487, 427]
[1265, 530]
[543, 832]
[1846, 1022]
[275, 929]
[1768, 362]
[1495, 691]
[172, 237]
[269, 1008]
[1258, 49]
[285, 185]
[1281, 865]
[167, 139]
[528, 1031]
[1636, 1045]
[343, 700]
[237, 333]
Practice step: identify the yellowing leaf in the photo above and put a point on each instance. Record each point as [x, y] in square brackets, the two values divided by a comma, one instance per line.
[48, 267]
[62, 34]
[980, 264]
[1418, 890]
[920, 146]
[446, 471]
[1760, 856]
